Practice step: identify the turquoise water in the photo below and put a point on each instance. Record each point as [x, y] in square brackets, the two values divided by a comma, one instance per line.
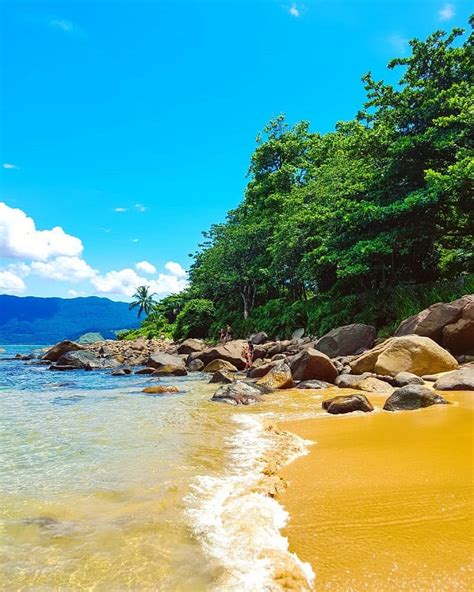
[106, 488]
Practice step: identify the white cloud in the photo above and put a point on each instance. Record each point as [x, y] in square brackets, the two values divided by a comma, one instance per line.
[75, 293]
[11, 283]
[175, 269]
[65, 26]
[9, 165]
[66, 269]
[20, 239]
[140, 207]
[21, 269]
[146, 267]
[135, 240]
[398, 42]
[294, 11]
[120, 210]
[446, 13]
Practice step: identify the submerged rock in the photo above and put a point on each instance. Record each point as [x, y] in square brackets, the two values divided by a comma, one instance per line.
[121, 372]
[459, 380]
[160, 389]
[411, 397]
[347, 404]
[237, 393]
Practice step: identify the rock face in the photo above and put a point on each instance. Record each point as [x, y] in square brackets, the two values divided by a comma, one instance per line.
[190, 346]
[160, 389]
[415, 354]
[232, 352]
[412, 397]
[237, 393]
[216, 365]
[346, 340]
[279, 377]
[167, 365]
[347, 404]
[60, 349]
[311, 364]
[440, 323]
[459, 380]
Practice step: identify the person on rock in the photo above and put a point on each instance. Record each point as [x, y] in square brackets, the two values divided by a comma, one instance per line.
[222, 335]
[248, 354]
[229, 334]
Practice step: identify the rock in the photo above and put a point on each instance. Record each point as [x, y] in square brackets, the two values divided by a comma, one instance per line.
[297, 334]
[279, 377]
[121, 372]
[278, 357]
[459, 380]
[413, 396]
[60, 349]
[259, 352]
[86, 360]
[278, 348]
[195, 365]
[415, 354]
[139, 344]
[261, 370]
[314, 384]
[405, 378]
[147, 370]
[232, 351]
[61, 368]
[221, 376]
[158, 390]
[259, 338]
[237, 393]
[364, 382]
[190, 346]
[216, 365]
[459, 337]
[167, 365]
[431, 321]
[346, 340]
[347, 404]
[310, 364]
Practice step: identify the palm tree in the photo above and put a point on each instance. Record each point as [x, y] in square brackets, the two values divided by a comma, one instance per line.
[144, 300]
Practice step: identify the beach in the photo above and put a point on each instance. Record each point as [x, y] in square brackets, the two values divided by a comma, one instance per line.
[383, 501]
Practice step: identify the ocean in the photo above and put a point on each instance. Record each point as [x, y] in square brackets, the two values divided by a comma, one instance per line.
[103, 487]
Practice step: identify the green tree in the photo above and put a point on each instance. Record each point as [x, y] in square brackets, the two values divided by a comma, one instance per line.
[143, 299]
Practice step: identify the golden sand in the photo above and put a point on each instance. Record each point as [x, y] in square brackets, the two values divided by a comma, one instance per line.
[383, 501]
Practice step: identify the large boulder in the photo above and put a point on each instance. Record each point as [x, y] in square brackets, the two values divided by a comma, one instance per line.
[259, 338]
[190, 346]
[415, 354]
[311, 364]
[232, 351]
[413, 396]
[195, 365]
[216, 365]
[432, 321]
[86, 360]
[346, 340]
[237, 393]
[405, 378]
[459, 337]
[166, 364]
[364, 382]
[347, 404]
[61, 348]
[459, 380]
[260, 370]
[279, 377]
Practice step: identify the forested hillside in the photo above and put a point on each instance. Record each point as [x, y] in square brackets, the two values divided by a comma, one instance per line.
[371, 222]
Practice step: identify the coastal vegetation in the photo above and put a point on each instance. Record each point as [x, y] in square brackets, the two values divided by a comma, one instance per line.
[369, 223]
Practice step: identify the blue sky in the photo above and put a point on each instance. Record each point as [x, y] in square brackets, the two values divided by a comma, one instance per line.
[130, 125]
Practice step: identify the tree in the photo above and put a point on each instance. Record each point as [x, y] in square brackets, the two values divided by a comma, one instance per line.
[143, 299]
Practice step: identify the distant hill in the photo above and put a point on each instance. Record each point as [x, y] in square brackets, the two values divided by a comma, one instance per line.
[31, 320]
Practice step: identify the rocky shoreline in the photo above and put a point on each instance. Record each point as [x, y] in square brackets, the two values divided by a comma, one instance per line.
[433, 350]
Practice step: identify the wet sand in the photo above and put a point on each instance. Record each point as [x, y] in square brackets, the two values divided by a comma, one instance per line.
[383, 501]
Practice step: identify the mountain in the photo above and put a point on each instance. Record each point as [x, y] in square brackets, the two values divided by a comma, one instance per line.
[31, 320]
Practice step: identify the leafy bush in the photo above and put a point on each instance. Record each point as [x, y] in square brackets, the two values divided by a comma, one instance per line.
[195, 319]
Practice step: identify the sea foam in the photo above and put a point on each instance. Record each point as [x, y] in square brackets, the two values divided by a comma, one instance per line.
[239, 524]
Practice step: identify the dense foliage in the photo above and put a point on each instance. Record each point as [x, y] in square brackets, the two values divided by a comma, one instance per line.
[362, 223]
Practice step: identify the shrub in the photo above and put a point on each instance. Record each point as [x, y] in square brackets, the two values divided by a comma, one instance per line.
[195, 319]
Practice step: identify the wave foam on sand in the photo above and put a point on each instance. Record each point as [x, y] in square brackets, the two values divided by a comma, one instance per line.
[237, 520]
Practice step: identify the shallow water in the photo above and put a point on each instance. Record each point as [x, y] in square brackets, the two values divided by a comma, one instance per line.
[106, 488]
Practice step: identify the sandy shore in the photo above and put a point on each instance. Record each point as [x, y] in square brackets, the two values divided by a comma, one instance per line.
[383, 501]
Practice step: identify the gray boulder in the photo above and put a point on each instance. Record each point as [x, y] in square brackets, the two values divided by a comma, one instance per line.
[86, 360]
[404, 378]
[167, 364]
[459, 380]
[237, 393]
[61, 348]
[413, 396]
[259, 338]
[190, 346]
[195, 365]
[346, 340]
[347, 404]
[232, 351]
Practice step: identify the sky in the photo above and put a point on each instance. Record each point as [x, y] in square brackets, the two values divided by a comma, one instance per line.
[126, 128]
